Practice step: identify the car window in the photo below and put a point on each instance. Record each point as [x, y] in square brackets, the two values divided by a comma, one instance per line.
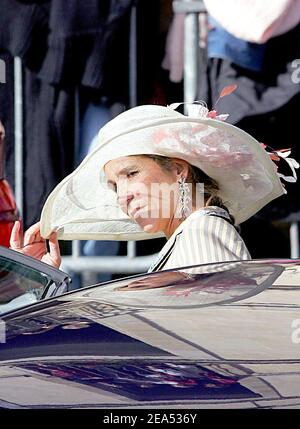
[20, 284]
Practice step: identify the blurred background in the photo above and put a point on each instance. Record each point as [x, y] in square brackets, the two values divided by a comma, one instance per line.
[69, 66]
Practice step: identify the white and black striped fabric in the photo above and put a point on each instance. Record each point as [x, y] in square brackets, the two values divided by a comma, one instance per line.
[206, 236]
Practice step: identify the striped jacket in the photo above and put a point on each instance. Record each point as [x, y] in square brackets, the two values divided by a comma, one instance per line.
[206, 236]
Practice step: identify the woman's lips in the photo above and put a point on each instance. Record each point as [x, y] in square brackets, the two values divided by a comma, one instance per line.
[135, 212]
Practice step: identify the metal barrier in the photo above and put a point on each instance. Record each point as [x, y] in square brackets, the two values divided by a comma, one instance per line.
[191, 8]
[130, 263]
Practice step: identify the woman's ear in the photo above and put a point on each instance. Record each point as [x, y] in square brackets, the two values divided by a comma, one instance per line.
[181, 168]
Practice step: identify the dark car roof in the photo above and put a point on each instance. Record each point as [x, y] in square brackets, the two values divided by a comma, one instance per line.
[227, 334]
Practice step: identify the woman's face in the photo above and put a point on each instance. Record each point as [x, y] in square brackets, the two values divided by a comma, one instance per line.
[146, 192]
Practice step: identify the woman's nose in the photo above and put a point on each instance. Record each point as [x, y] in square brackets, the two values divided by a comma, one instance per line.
[124, 200]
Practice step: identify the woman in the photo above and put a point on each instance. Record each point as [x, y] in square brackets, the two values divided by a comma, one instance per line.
[157, 172]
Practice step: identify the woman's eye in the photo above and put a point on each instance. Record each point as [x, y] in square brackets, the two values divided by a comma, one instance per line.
[112, 186]
[131, 174]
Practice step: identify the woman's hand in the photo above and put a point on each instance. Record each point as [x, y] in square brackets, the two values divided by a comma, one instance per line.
[32, 244]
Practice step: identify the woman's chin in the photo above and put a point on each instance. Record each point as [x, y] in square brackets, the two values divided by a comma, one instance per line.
[148, 225]
[150, 228]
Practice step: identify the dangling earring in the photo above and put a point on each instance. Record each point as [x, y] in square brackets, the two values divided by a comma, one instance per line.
[184, 197]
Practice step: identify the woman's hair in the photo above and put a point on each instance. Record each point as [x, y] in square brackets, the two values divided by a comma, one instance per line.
[196, 175]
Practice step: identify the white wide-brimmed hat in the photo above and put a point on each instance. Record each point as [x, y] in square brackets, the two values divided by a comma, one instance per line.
[83, 207]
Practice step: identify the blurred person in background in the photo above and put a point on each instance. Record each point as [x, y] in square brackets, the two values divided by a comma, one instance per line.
[256, 45]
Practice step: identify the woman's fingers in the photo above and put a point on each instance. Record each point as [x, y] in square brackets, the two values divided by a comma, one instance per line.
[34, 245]
[16, 237]
[33, 235]
[54, 249]
[35, 250]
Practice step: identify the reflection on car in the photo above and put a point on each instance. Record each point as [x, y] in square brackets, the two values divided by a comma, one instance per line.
[216, 335]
